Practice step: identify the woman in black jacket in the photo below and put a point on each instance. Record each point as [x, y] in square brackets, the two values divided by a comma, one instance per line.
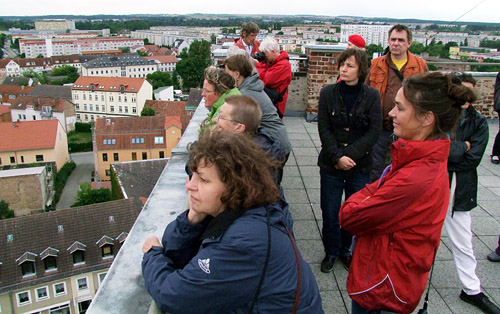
[466, 151]
[349, 122]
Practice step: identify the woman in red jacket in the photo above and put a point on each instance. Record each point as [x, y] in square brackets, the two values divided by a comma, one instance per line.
[398, 218]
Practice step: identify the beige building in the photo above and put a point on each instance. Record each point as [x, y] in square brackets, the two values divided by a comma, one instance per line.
[103, 97]
[27, 190]
[128, 139]
[28, 142]
[54, 25]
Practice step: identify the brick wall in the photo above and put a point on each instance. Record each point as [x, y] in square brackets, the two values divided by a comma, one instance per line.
[22, 193]
[322, 70]
[484, 89]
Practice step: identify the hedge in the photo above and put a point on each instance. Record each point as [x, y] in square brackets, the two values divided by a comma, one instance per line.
[80, 147]
[82, 127]
[61, 178]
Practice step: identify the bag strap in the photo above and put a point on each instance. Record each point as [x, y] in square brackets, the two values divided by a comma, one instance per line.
[398, 74]
[263, 275]
[426, 300]
[299, 278]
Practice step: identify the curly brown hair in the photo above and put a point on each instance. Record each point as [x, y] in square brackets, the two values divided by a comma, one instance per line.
[242, 166]
[219, 79]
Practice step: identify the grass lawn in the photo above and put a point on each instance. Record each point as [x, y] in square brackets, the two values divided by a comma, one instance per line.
[79, 137]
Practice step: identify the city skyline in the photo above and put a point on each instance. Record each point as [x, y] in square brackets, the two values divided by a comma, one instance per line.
[447, 10]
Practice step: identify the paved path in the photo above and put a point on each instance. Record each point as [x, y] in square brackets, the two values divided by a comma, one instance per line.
[301, 185]
[82, 173]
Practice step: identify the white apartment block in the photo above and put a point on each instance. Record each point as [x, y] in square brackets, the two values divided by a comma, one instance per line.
[57, 47]
[165, 63]
[130, 65]
[101, 97]
[168, 38]
[373, 34]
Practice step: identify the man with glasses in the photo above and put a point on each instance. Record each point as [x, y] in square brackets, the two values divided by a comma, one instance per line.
[242, 114]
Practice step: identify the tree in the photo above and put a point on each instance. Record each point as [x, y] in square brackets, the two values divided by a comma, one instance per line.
[147, 111]
[87, 196]
[160, 79]
[5, 212]
[193, 63]
[125, 49]
[213, 39]
[417, 48]
[371, 48]
[141, 53]
[146, 41]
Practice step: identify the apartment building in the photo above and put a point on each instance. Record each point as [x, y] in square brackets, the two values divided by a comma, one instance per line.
[128, 139]
[164, 63]
[30, 108]
[57, 47]
[54, 262]
[29, 142]
[129, 65]
[373, 34]
[100, 97]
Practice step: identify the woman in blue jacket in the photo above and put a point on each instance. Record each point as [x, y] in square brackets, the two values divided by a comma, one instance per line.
[349, 122]
[231, 251]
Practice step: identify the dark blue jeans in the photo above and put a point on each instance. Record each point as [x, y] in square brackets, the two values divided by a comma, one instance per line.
[337, 242]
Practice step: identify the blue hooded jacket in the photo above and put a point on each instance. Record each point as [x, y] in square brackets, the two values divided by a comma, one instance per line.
[215, 266]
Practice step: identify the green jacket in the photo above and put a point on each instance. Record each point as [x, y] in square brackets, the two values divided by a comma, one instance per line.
[214, 111]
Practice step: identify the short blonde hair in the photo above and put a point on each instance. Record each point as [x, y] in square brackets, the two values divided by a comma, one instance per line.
[269, 44]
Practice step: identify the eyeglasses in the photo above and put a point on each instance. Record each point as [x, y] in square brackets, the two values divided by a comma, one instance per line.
[207, 91]
[221, 118]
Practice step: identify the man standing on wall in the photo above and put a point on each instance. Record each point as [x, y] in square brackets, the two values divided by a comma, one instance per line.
[387, 73]
[247, 42]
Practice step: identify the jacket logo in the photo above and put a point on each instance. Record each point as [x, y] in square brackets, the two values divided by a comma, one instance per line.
[204, 265]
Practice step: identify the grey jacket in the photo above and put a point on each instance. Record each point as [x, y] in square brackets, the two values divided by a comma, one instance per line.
[271, 124]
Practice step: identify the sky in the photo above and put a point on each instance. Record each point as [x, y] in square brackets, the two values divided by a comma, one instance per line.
[445, 10]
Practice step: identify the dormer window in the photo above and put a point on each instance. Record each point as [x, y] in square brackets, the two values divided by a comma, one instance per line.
[122, 89]
[29, 107]
[77, 250]
[49, 258]
[27, 263]
[106, 245]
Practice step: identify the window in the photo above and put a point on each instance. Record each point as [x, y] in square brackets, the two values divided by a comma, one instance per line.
[24, 117]
[134, 110]
[101, 277]
[115, 156]
[109, 141]
[107, 250]
[28, 268]
[102, 97]
[134, 156]
[78, 117]
[124, 98]
[39, 157]
[60, 288]
[108, 172]
[79, 257]
[50, 263]
[22, 158]
[62, 309]
[12, 160]
[126, 109]
[110, 98]
[111, 108]
[84, 97]
[119, 98]
[104, 156]
[23, 298]
[91, 107]
[34, 117]
[158, 139]
[83, 306]
[84, 106]
[137, 140]
[82, 283]
[162, 154]
[144, 155]
[42, 293]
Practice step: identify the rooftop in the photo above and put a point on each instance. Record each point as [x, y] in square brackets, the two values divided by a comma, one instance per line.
[108, 84]
[301, 186]
[41, 135]
[114, 61]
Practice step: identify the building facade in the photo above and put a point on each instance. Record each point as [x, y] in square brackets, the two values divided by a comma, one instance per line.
[100, 97]
[128, 139]
[30, 142]
[373, 34]
[54, 25]
[130, 65]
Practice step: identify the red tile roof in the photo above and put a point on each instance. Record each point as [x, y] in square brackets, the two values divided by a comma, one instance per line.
[169, 121]
[132, 85]
[164, 59]
[4, 109]
[28, 135]
[57, 104]
[15, 89]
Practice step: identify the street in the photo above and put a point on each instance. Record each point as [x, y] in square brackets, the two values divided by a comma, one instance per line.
[81, 174]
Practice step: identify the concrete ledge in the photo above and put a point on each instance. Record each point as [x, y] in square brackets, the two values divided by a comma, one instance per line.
[123, 291]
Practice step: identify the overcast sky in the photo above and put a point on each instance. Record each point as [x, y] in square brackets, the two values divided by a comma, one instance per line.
[446, 10]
